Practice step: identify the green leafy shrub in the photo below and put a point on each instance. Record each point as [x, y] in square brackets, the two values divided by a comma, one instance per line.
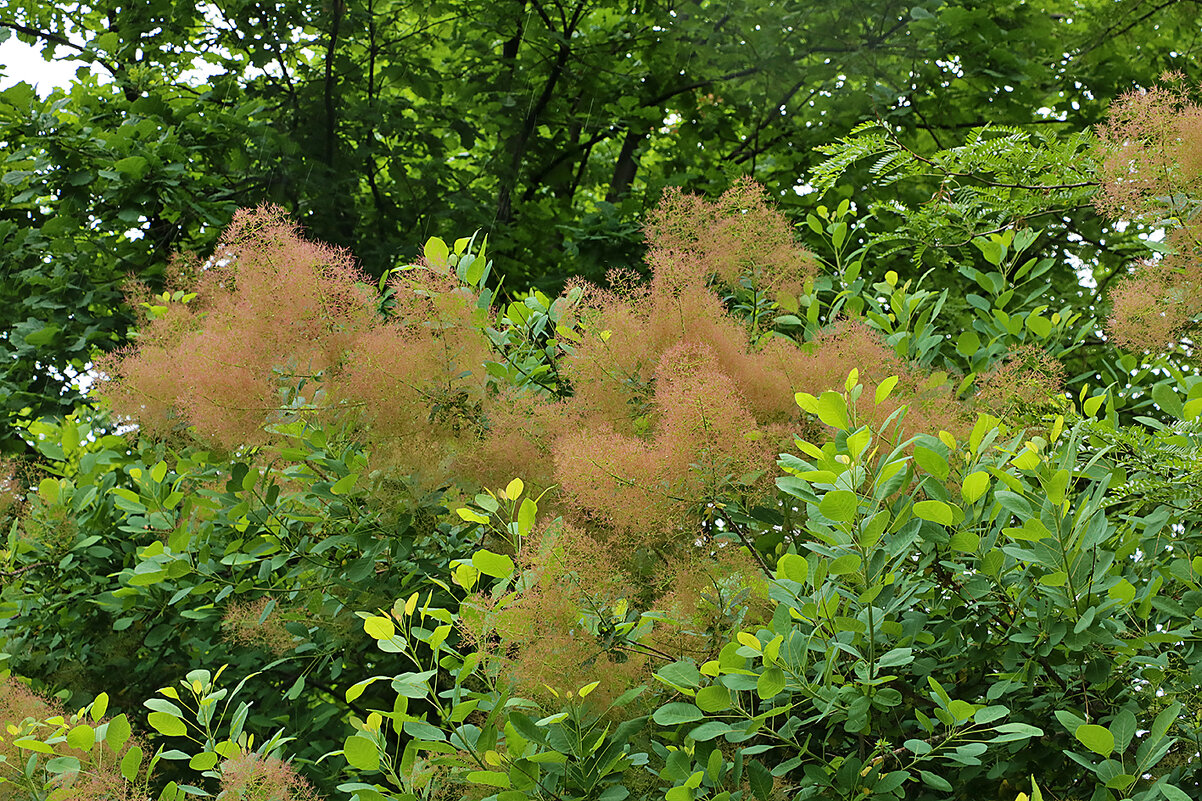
[759, 527]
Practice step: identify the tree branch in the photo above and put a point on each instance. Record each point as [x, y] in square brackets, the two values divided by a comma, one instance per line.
[329, 82]
[746, 540]
[53, 38]
[20, 570]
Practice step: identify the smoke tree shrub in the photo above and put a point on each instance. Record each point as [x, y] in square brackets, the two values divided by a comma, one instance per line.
[45, 753]
[756, 527]
[660, 446]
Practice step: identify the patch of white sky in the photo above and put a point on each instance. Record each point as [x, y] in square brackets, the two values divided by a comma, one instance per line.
[22, 62]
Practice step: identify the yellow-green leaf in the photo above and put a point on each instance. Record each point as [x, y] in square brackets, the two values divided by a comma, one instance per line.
[793, 567]
[205, 760]
[489, 778]
[513, 490]
[82, 737]
[885, 389]
[714, 698]
[807, 402]
[965, 542]
[379, 628]
[361, 753]
[471, 515]
[526, 515]
[848, 563]
[1123, 592]
[974, 486]
[30, 744]
[934, 511]
[832, 409]
[167, 724]
[436, 252]
[1096, 738]
[497, 565]
[839, 505]
[344, 484]
[770, 683]
[99, 706]
[130, 763]
[117, 733]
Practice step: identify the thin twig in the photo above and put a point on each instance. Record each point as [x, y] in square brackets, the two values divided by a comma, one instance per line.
[20, 570]
[749, 544]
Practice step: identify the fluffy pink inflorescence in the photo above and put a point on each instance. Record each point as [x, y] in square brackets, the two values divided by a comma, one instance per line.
[1025, 383]
[271, 310]
[12, 494]
[738, 236]
[1159, 302]
[1151, 170]
[254, 777]
[245, 624]
[676, 407]
[1151, 152]
[281, 327]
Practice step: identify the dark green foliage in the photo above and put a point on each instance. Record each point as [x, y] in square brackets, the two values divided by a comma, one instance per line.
[551, 126]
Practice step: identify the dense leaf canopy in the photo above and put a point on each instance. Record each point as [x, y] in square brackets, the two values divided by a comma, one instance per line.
[551, 126]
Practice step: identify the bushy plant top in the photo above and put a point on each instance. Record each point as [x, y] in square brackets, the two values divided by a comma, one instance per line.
[756, 527]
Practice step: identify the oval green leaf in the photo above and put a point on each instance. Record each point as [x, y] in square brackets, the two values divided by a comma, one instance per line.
[166, 724]
[934, 511]
[379, 628]
[848, 563]
[839, 505]
[677, 712]
[770, 683]
[714, 698]
[497, 565]
[974, 486]
[130, 763]
[82, 737]
[205, 760]
[118, 732]
[1096, 738]
[361, 753]
[793, 567]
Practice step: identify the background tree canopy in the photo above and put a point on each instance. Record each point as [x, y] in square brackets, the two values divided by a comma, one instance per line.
[551, 126]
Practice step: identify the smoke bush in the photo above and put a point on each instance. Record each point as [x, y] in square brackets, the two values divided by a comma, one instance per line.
[672, 411]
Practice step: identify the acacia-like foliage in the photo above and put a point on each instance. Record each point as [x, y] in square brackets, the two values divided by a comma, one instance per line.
[997, 174]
